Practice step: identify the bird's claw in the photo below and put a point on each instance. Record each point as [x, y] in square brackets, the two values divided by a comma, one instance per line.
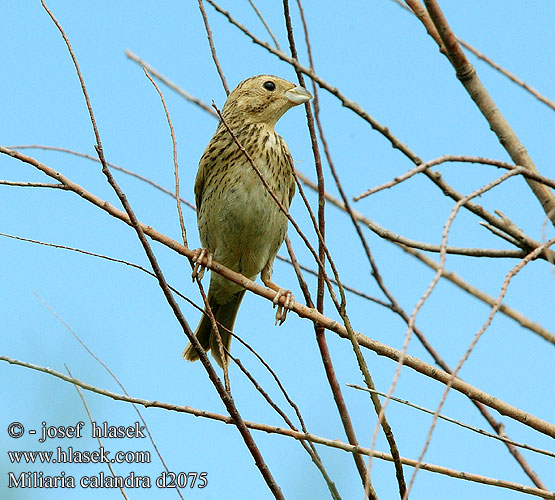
[283, 309]
[199, 268]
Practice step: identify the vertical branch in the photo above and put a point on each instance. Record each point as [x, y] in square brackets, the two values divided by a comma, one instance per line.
[388, 432]
[298, 272]
[317, 460]
[184, 232]
[175, 164]
[320, 332]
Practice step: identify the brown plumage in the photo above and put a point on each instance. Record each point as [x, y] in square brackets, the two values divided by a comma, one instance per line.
[238, 221]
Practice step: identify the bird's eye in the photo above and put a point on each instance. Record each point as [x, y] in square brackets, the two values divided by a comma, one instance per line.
[269, 85]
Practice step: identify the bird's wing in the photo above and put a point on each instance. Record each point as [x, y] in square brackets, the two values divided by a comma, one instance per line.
[208, 162]
[199, 181]
[289, 160]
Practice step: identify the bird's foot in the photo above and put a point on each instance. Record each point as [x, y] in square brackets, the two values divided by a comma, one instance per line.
[283, 309]
[199, 267]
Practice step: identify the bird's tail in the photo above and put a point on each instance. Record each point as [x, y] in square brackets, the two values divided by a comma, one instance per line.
[225, 315]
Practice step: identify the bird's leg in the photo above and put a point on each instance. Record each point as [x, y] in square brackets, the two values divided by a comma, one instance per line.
[288, 303]
[199, 268]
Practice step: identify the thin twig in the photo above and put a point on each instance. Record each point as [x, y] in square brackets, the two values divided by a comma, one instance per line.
[175, 164]
[500, 233]
[309, 448]
[108, 463]
[316, 458]
[275, 377]
[32, 184]
[300, 278]
[454, 158]
[428, 247]
[100, 256]
[457, 422]
[274, 39]
[346, 287]
[111, 165]
[113, 375]
[176, 88]
[212, 47]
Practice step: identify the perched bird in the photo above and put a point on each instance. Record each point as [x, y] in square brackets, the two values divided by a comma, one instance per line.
[240, 224]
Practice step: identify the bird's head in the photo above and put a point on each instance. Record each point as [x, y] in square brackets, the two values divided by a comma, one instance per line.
[263, 99]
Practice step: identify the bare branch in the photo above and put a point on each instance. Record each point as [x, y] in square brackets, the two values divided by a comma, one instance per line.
[83, 400]
[309, 448]
[111, 165]
[113, 375]
[455, 158]
[428, 247]
[32, 184]
[176, 166]
[456, 422]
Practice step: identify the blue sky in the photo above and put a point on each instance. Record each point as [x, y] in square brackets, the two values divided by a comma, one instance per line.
[380, 57]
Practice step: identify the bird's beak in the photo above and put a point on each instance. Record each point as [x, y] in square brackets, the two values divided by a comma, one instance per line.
[298, 95]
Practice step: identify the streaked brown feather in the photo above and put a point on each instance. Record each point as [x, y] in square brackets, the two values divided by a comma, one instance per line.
[238, 221]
